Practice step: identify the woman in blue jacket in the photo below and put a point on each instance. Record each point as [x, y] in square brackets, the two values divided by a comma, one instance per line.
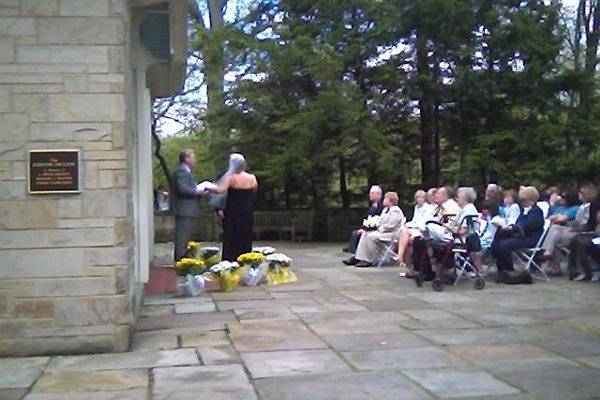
[524, 233]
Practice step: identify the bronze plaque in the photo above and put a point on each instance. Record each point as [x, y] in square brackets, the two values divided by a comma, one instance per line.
[53, 171]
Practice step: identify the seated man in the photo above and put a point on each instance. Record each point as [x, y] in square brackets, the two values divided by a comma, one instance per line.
[524, 233]
[390, 223]
[583, 246]
[375, 208]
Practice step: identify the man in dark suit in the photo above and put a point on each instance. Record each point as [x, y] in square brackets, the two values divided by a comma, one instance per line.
[184, 200]
[375, 208]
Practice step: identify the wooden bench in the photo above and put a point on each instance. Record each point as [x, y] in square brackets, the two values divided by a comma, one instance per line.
[285, 223]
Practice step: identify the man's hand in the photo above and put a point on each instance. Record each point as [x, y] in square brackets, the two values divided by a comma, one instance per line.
[221, 214]
[360, 231]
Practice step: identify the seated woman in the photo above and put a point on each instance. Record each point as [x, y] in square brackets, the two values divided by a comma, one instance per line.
[511, 207]
[524, 233]
[563, 230]
[423, 213]
[390, 223]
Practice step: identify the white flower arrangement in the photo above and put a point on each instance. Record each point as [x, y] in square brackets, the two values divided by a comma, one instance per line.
[265, 250]
[209, 251]
[371, 222]
[279, 258]
[224, 266]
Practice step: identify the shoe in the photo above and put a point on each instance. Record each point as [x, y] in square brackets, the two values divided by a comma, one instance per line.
[582, 277]
[346, 250]
[555, 272]
[351, 261]
[363, 264]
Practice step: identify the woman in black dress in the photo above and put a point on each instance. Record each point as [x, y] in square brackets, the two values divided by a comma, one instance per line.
[240, 188]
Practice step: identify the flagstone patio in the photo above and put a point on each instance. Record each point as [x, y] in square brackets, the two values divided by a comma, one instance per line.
[341, 333]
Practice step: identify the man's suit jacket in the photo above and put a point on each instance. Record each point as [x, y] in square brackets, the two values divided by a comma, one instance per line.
[374, 209]
[183, 196]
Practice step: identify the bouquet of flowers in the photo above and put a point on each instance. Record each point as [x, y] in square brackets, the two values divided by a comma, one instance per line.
[279, 272]
[191, 249]
[189, 266]
[228, 274]
[253, 268]
[265, 250]
[371, 223]
[210, 255]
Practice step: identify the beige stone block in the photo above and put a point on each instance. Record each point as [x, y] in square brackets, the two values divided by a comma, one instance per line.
[33, 78]
[100, 88]
[19, 26]
[62, 54]
[76, 83]
[105, 203]
[7, 52]
[107, 78]
[40, 332]
[70, 132]
[106, 179]
[118, 6]
[36, 105]
[91, 176]
[56, 238]
[4, 206]
[9, 3]
[3, 304]
[74, 68]
[84, 7]
[116, 59]
[19, 170]
[12, 152]
[57, 345]
[74, 287]
[120, 178]
[4, 98]
[12, 190]
[91, 381]
[87, 107]
[123, 232]
[31, 39]
[15, 127]
[42, 88]
[86, 223]
[4, 171]
[43, 263]
[9, 11]
[39, 7]
[123, 334]
[79, 30]
[43, 308]
[32, 214]
[113, 164]
[118, 135]
[106, 256]
[122, 278]
[92, 310]
[95, 146]
[70, 207]
[105, 155]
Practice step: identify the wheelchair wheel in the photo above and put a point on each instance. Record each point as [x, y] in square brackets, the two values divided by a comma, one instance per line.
[437, 285]
[479, 283]
[419, 279]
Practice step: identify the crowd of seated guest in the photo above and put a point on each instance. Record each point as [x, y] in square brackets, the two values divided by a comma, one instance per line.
[508, 220]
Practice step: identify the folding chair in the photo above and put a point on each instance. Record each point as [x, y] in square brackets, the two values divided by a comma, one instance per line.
[387, 251]
[528, 256]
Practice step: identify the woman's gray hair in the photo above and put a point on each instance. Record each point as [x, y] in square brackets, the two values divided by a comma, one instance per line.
[469, 193]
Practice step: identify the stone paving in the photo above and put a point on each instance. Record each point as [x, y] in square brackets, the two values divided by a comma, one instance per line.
[341, 333]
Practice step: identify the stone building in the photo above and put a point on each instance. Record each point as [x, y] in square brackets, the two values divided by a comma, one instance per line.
[80, 74]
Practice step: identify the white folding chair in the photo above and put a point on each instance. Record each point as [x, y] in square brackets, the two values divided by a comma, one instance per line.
[387, 251]
[528, 256]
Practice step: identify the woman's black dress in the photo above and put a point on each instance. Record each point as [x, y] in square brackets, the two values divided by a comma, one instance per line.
[237, 225]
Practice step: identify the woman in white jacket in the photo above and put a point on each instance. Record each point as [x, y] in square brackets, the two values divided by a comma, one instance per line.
[392, 219]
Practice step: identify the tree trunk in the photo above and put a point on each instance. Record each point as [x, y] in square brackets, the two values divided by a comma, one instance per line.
[158, 154]
[592, 37]
[343, 184]
[426, 110]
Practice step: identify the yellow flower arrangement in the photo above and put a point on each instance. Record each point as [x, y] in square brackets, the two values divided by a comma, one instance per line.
[189, 266]
[253, 259]
[191, 245]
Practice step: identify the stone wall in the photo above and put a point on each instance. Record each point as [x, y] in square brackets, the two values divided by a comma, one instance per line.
[66, 280]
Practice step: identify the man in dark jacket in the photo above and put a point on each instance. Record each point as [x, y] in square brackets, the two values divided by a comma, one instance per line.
[184, 200]
[375, 208]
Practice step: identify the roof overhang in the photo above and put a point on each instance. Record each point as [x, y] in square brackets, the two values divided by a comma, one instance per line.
[162, 28]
